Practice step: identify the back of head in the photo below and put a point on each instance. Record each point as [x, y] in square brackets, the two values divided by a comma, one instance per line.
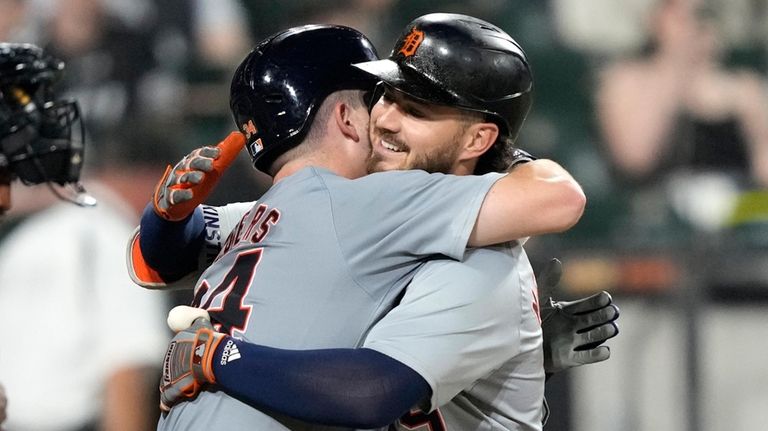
[38, 138]
[461, 61]
[278, 88]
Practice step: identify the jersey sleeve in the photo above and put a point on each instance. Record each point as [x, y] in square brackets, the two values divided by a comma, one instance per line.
[218, 223]
[385, 219]
[457, 322]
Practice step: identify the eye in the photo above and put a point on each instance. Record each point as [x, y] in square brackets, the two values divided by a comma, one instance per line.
[414, 112]
[386, 97]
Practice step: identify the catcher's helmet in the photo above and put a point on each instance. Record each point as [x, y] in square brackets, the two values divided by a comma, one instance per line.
[279, 86]
[461, 61]
[38, 139]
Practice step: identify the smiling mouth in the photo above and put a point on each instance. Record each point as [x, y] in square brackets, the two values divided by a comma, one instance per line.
[392, 145]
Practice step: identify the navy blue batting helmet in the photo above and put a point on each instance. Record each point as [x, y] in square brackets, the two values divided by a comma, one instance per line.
[279, 86]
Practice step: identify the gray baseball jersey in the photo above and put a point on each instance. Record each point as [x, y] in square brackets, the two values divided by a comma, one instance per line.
[472, 330]
[317, 260]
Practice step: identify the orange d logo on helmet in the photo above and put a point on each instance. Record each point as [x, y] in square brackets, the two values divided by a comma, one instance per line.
[412, 42]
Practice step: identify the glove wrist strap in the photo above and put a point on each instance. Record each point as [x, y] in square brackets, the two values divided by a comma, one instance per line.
[206, 342]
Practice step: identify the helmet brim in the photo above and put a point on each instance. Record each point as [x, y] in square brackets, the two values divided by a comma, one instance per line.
[409, 82]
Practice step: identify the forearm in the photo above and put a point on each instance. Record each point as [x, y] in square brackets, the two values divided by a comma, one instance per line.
[358, 388]
[535, 198]
[172, 248]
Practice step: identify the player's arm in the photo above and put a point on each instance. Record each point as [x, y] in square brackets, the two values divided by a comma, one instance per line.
[359, 388]
[173, 229]
[170, 248]
[535, 198]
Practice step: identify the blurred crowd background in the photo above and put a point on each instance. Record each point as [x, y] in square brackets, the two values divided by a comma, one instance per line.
[659, 108]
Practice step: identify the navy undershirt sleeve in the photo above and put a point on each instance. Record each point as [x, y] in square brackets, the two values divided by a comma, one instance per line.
[171, 248]
[358, 388]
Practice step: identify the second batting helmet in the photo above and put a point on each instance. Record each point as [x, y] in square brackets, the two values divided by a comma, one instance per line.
[279, 86]
[461, 61]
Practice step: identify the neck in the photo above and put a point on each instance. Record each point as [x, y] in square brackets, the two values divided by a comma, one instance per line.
[291, 168]
[464, 167]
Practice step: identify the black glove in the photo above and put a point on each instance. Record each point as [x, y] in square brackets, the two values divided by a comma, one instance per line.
[574, 330]
[520, 156]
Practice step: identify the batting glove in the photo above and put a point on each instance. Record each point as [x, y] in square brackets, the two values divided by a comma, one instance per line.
[518, 157]
[188, 184]
[188, 363]
[574, 330]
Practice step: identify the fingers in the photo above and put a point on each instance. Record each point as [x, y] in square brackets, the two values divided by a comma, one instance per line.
[201, 159]
[550, 275]
[230, 147]
[177, 196]
[588, 320]
[588, 304]
[191, 181]
[191, 177]
[202, 322]
[599, 354]
[596, 336]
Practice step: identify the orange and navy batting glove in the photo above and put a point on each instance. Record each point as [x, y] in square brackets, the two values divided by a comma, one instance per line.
[188, 363]
[188, 184]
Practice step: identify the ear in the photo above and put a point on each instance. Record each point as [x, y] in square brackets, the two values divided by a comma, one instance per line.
[343, 115]
[479, 138]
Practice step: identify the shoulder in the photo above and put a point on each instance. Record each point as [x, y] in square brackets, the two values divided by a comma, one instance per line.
[484, 268]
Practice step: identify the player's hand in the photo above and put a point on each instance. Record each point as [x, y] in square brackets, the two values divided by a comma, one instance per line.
[574, 331]
[188, 184]
[518, 157]
[188, 366]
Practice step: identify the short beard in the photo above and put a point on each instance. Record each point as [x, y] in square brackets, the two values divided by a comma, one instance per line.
[440, 160]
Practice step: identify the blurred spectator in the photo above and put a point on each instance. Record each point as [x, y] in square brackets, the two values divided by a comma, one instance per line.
[16, 23]
[109, 64]
[677, 115]
[682, 86]
[91, 337]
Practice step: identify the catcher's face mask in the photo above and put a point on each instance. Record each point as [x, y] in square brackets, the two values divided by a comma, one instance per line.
[41, 138]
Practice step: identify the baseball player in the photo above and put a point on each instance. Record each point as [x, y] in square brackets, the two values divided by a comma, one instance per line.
[255, 231]
[36, 130]
[430, 299]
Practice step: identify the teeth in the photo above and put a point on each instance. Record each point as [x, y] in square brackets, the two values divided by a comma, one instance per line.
[390, 147]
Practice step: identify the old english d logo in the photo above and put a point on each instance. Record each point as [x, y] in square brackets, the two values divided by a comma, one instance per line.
[412, 42]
